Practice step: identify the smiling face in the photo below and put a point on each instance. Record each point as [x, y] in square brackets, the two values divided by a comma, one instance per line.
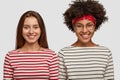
[31, 30]
[84, 30]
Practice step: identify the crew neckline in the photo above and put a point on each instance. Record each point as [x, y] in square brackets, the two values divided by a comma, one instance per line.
[30, 51]
[85, 47]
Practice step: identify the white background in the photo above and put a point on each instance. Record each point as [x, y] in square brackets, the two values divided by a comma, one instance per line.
[57, 33]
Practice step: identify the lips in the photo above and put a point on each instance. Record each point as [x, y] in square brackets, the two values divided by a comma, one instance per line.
[85, 36]
[31, 36]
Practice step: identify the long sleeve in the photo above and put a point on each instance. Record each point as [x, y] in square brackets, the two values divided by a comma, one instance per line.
[54, 67]
[8, 70]
[109, 72]
[62, 67]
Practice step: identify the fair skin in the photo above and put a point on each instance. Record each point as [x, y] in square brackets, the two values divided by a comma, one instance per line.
[31, 33]
[84, 30]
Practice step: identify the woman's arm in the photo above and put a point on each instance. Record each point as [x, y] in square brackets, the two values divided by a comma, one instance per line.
[8, 70]
[62, 67]
[53, 68]
[109, 71]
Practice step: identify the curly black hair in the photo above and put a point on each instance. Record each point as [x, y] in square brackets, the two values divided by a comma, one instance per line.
[83, 7]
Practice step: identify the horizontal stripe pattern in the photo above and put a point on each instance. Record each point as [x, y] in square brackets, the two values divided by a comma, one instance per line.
[36, 65]
[85, 63]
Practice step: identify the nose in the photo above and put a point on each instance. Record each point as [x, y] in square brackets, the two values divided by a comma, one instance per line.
[31, 30]
[84, 29]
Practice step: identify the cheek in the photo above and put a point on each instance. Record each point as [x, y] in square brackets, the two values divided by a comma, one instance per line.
[77, 32]
[38, 32]
[92, 30]
[24, 32]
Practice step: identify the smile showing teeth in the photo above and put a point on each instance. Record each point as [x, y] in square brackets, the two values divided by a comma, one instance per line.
[85, 36]
[31, 37]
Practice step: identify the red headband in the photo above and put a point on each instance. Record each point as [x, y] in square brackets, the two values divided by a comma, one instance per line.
[87, 17]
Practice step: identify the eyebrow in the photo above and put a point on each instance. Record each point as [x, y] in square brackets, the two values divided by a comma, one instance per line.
[33, 25]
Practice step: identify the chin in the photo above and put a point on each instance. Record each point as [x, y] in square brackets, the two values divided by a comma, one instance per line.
[31, 42]
[85, 41]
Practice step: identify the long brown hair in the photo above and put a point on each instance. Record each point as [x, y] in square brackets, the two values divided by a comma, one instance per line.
[20, 41]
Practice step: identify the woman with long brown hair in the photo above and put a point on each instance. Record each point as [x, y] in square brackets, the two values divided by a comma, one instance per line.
[32, 59]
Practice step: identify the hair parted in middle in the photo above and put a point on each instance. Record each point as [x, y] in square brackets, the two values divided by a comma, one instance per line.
[20, 41]
[80, 8]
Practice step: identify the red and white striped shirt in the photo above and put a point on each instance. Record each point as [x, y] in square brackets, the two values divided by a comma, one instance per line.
[36, 65]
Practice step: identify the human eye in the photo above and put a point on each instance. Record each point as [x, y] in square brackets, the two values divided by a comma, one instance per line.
[36, 26]
[90, 25]
[79, 26]
[25, 27]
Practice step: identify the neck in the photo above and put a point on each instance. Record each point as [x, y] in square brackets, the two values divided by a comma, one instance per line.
[31, 47]
[80, 44]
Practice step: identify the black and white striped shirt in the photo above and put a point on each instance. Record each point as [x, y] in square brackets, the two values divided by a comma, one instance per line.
[85, 63]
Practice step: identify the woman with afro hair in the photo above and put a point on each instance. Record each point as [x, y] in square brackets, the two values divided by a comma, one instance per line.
[84, 59]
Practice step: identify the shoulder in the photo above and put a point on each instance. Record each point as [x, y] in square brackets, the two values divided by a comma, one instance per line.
[11, 53]
[50, 51]
[104, 48]
[67, 48]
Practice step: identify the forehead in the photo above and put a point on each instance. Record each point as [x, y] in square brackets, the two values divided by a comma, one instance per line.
[30, 20]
